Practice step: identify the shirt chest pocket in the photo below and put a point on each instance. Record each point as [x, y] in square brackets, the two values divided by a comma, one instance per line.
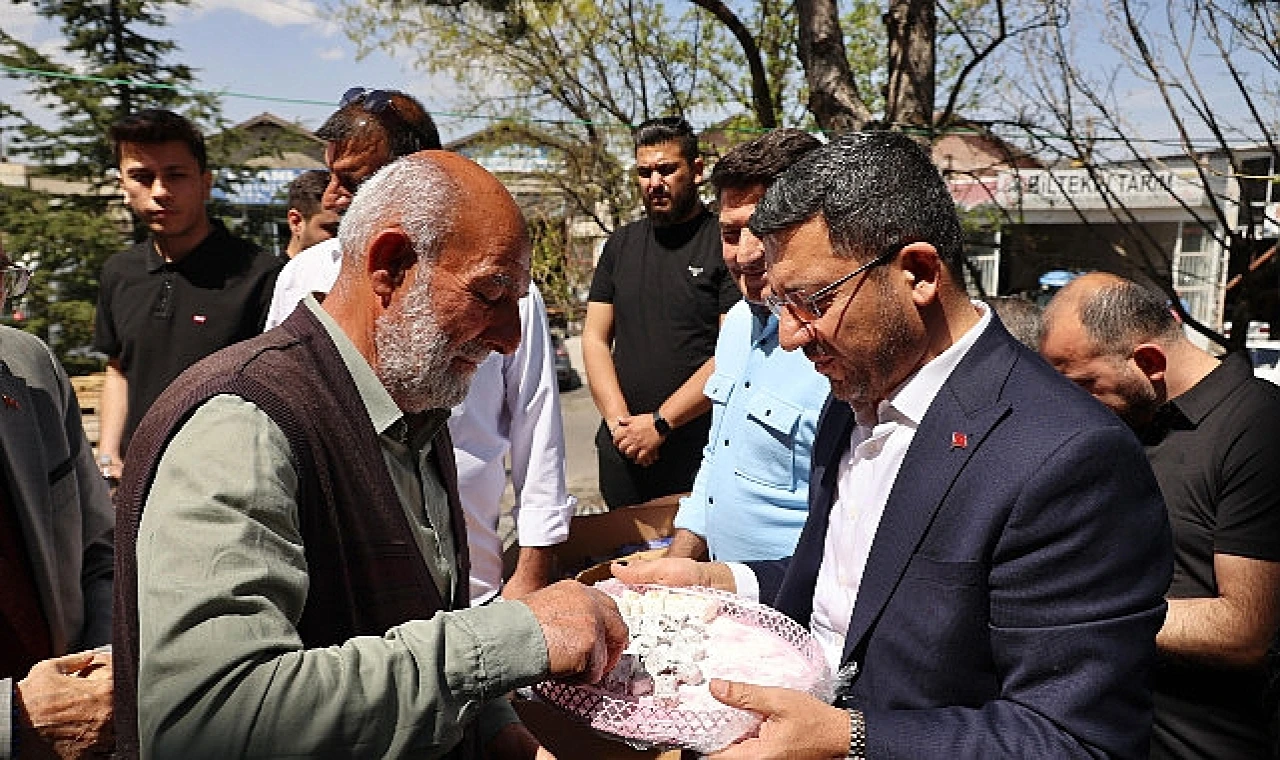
[763, 444]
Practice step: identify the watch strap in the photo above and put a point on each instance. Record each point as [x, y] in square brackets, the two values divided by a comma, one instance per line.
[857, 736]
[661, 425]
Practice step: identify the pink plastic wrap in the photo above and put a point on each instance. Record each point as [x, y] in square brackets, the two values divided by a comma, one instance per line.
[746, 642]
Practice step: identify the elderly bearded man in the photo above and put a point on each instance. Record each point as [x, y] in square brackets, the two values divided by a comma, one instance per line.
[301, 563]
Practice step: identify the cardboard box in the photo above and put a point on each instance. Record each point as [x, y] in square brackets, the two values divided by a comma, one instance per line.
[568, 739]
[594, 539]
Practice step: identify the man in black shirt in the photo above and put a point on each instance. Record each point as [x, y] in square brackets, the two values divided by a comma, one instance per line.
[659, 292]
[187, 291]
[1209, 427]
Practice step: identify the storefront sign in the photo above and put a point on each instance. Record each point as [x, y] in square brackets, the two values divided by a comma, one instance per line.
[1043, 189]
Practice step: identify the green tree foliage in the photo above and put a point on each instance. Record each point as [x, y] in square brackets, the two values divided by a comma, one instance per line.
[576, 76]
[104, 40]
[67, 244]
[112, 63]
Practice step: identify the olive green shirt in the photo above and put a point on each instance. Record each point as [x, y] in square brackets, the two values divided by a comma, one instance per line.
[222, 582]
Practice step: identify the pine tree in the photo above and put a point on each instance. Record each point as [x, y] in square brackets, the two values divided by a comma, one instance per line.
[120, 65]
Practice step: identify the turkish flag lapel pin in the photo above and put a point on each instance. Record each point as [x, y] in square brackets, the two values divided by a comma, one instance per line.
[959, 440]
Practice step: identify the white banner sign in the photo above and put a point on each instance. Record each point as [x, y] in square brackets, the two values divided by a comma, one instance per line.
[1043, 189]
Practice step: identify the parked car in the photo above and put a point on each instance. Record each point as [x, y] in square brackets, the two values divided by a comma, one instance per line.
[1266, 359]
[566, 376]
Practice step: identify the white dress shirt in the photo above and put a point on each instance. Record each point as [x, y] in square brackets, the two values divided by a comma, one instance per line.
[513, 407]
[313, 270]
[866, 475]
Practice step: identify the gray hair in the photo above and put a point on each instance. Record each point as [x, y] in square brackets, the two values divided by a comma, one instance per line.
[1020, 317]
[876, 191]
[413, 193]
[1120, 315]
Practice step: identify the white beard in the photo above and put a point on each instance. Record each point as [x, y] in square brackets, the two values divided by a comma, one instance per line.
[415, 359]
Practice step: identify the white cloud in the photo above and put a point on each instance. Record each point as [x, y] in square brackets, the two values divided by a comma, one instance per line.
[331, 54]
[20, 20]
[273, 12]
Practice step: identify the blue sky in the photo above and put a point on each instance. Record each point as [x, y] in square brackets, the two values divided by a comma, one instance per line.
[292, 49]
[268, 48]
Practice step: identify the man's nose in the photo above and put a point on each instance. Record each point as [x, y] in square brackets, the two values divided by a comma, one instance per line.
[503, 334]
[335, 197]
[750, 249]
[160, 188]
[792, 333]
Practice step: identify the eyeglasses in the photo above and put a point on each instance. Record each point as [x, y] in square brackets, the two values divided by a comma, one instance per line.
[14, 280]
[807, 308]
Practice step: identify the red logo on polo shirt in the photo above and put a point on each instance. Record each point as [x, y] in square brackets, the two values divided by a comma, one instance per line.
[199, 318]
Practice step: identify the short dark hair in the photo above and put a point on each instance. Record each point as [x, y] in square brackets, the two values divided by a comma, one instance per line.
[665, 129]
[875, 190]
[306, 190]
[1119, 315]
[403, 123]
[762, 160]
[152, 126]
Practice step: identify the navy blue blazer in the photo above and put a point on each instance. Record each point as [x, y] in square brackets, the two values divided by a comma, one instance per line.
[1016, 582]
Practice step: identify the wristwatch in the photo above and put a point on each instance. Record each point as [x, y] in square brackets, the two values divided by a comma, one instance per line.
[857, 736]
[661, 425]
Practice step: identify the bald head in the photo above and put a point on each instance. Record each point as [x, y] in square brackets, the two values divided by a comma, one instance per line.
[1117, 340]
[435, 259]
[1116, 313]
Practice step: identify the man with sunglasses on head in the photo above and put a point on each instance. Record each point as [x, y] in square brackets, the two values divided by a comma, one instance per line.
[188, 290]
[657, 298]
[751, 495]
[986, 554]
[370, 129]
[56, 557]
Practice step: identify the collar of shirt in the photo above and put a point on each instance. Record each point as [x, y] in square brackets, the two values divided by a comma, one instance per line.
[207, 255]
[763, 323]
[911, 399]
[1213, 388]
[413, 430]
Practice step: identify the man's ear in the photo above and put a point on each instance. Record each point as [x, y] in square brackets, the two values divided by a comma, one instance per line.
[390, 257]
[1151, 361]
[922, 270]
[294, 217]
[699, 166]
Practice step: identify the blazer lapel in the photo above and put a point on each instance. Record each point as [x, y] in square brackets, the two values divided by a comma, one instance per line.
[966, 409]
[27, 475]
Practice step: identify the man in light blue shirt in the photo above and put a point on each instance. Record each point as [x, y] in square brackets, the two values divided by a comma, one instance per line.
[751, 494]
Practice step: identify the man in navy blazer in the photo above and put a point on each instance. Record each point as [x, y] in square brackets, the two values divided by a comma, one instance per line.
[987, 552]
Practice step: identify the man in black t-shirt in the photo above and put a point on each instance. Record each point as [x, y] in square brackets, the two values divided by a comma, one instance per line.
[1209, 427]
[187, 291]
[659, 292]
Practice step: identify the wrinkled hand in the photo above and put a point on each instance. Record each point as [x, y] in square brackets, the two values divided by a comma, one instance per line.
[584, 632]
[673, 571]
[65, 706]
[515, 742]
[637, 439]
[796, 726]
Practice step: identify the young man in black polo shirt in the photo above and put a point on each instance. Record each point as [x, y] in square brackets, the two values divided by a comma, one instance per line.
[659, 293]
[188, 290]
[1209, 428]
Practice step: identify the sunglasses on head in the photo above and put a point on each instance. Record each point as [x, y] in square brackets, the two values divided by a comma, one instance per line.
[373, 101]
